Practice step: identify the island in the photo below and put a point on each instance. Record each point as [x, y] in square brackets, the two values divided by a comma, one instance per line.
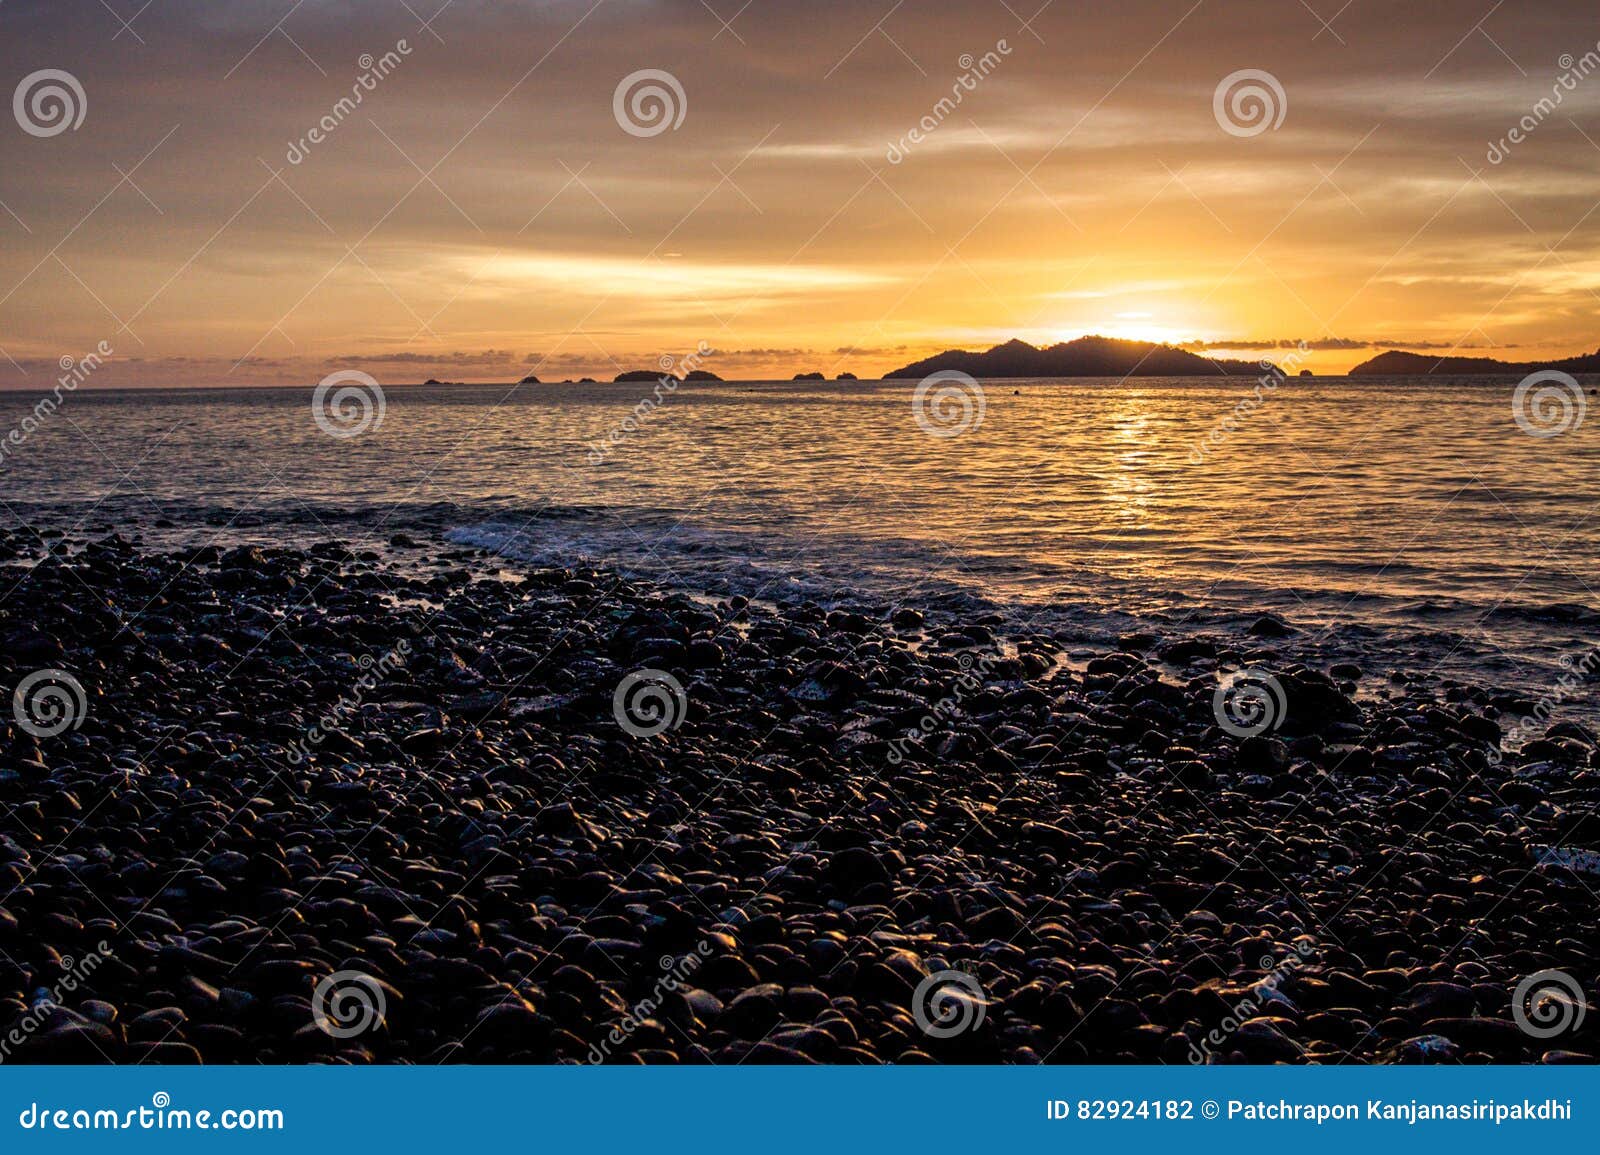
[642, 375]
[808, 377]
[530, 379]
[1084, 357]
[846, 377]
[701, 375]
[1394, 363]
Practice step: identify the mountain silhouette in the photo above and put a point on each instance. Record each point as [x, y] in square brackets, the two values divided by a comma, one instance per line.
[1084, 357]
[1397, 364]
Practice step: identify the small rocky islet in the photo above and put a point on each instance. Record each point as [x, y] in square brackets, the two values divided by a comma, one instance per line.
[407, 764]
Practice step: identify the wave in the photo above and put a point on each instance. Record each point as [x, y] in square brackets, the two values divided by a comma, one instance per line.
[1078, 600]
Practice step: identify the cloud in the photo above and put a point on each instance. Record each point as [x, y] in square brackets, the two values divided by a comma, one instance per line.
[1088, 168]
[487, 357]
[1330, 344]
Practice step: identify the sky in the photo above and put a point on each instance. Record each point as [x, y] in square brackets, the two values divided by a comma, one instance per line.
[807, 193]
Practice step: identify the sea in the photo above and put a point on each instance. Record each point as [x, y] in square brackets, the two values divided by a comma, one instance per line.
[1426, 529]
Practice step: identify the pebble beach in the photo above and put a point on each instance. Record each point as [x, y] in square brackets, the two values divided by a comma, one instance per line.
[409, 805]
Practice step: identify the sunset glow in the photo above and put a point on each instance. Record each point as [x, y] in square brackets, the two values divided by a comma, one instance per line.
[481, 212]
[542, 539]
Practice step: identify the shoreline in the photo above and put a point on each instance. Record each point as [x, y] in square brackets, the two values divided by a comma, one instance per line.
[515, 832]
[1488, 379]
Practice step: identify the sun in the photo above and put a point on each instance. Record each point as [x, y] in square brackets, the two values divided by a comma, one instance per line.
[1132, 326]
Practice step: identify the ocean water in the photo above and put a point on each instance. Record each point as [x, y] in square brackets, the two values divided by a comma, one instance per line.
[1412, 525]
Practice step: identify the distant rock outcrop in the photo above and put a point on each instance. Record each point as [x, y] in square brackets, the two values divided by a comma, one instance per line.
[433, 381]
[1395, 363]
[530, 379]
[641, 375]
[1085, 357]
[701, 375]
[809, 377]
[846, 377]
